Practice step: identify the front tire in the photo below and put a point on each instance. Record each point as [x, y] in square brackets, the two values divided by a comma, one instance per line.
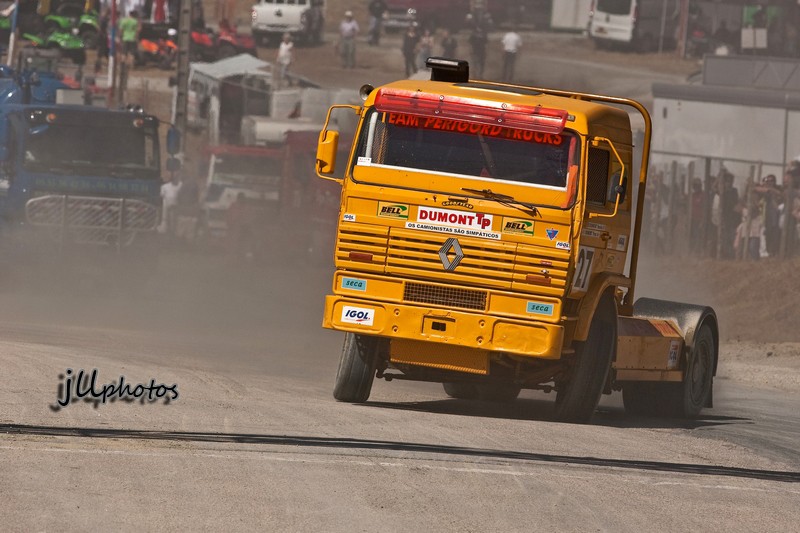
[357, 368]
[577, 398]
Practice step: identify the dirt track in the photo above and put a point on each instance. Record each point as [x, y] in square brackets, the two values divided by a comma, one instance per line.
[255, 441]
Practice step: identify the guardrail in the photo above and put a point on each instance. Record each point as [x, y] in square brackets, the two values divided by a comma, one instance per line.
[90, 220]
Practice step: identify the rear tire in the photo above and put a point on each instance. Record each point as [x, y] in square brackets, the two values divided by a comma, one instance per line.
[577, 399]
[677, 400]
[695, 392]
[498, 393]
[357, 367]
[461, 391]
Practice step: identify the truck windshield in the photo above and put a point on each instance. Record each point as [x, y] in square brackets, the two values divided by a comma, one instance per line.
[119, 152]
[465, 149]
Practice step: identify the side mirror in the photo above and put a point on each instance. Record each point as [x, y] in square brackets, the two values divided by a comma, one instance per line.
[326, 152]
[173, 140]
[173, 164]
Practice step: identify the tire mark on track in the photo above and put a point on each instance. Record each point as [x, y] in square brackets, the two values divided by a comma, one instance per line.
[366, 444]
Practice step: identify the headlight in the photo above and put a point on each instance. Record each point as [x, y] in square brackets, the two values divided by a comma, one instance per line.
[75, 31]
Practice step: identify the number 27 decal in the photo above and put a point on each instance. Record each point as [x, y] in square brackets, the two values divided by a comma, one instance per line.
[583, 269]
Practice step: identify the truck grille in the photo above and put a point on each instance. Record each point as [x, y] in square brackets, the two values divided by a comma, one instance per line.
[491, 264]
[92, 220]
[446, 296]
[500, 265]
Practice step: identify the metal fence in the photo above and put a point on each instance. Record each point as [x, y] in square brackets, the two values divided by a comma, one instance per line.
[702, 208]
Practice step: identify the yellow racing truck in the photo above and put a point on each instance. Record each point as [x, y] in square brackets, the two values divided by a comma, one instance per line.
[488, 240]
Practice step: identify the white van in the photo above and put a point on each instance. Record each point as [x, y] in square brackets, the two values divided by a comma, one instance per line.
[638, 24]
[303, 19]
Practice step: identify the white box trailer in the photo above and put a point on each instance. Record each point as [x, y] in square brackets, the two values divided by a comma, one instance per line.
[570, 14]
[746, 113]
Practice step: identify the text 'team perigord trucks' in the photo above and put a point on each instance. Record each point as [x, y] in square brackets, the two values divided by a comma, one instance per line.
[487, 240]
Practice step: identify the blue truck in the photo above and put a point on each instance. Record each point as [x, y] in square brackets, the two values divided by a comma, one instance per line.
[79, 181]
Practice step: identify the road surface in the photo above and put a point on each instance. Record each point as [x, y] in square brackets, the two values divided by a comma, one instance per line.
[256, 442]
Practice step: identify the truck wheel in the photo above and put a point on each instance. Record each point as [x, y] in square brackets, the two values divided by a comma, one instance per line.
[356, 368]
[687, 399]
[461, 391]
[677, 400]
[498, 393]
[578, 397]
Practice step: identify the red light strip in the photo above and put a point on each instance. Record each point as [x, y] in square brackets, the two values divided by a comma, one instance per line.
[531, 118]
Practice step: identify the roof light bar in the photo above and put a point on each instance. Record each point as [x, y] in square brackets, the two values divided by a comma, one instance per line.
[523, 117]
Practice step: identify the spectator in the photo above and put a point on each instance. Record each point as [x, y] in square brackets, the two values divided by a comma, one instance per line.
[376, 10]
[792, 201]
[449, 44]
[770, 198]
[748, 233]
[730, 215]
[226, 9]
[348, 30]
[284, 58]
[697, 217]
[424, 48]
[102, 39]
[511, 45]
[477, 42]
[409, 48]
[129, 33]
[169, 199]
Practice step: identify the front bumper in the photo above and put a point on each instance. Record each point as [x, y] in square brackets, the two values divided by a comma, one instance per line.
[462, 328]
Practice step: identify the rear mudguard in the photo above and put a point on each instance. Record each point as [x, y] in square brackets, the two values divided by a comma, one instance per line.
[688, 318]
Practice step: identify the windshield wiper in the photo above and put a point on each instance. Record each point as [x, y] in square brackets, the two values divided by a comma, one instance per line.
[506, 200]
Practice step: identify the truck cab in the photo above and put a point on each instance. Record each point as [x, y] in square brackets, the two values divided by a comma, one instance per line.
[80, 180]
[252, 171]
[488, 239]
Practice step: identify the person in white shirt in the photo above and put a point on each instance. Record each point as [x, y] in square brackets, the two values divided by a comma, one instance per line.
[512, 42]
[284, 58]
[169, 199]
[348, 29]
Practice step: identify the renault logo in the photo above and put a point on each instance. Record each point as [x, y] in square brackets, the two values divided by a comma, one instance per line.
[450, 246]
